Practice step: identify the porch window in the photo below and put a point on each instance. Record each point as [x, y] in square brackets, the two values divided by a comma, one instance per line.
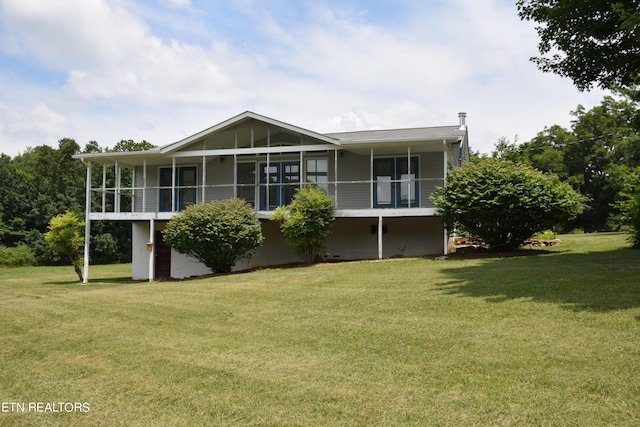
[185, 188]
[246, 179]
[318, 173]
[278, 183]
[395, 184]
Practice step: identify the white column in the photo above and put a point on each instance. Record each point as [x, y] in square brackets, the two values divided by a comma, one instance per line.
[204, 178]
[380, 237]
[144, 185]
[173, 185]
[87, 226]
[371, 180]
[116, 201]
[133, 189]
[444, 184]
[104, 187]
[335, 176]
[152, 252]
[409, 194]
[301, 170]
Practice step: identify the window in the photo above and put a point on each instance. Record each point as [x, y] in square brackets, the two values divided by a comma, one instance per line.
[317, 173]
[278, 183]
[395, 182]
[185, 188]
[246, 179]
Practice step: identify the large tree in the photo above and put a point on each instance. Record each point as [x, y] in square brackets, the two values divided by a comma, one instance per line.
[593, 42]
[503, 203]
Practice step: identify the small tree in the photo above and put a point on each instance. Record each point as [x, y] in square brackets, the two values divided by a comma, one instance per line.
[503, 203]
[630, 205]
[66, 236]
[306, 221]
[218, 233]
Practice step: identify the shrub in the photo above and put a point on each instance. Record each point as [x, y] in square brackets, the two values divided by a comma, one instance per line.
[503, 203]
[218, 233]
[17, 256]
[306, 221]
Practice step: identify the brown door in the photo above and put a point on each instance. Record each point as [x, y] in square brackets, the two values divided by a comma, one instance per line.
[163, 258]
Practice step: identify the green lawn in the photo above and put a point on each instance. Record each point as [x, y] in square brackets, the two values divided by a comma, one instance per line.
[545, 340]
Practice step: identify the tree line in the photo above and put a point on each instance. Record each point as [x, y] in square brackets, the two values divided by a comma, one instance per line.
[43, 182]
[599, 156]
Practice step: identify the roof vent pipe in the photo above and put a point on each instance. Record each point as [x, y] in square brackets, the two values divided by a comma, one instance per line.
[463, 118]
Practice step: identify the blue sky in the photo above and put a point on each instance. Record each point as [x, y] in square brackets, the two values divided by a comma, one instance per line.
[107, 70]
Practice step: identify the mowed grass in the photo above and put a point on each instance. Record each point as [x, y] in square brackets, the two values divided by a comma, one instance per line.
[542, 340]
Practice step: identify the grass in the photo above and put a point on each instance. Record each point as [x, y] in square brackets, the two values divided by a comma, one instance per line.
[545, 340]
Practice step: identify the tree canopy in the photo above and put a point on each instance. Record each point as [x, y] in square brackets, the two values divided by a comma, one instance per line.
[43, 182]
[593, 42]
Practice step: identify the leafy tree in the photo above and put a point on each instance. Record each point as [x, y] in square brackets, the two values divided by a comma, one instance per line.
[589, 41]
[66, 236]
[306, 221]
[630, 204]
[218, 233]
[503, 203]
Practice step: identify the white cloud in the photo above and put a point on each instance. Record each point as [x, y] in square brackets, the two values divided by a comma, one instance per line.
[327, 69]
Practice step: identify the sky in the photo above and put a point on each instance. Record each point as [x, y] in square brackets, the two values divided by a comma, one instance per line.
[108, 70]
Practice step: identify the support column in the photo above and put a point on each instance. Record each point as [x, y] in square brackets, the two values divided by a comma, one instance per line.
[152, 252]
[104, 187]
[87, 226]
[371, 181]
[144, 185]
[444, 184]
[380, 237]
[116, 202]
[173, 185]
[204, 178]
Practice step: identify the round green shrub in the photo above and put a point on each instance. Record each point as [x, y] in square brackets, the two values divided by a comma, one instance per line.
[219, 233]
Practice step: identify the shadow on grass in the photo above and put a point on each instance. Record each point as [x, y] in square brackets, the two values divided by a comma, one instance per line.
[594, 281]
[95, 281]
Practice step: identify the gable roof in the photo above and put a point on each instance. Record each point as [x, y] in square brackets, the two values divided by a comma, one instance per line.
[344, 139]
[242, 118]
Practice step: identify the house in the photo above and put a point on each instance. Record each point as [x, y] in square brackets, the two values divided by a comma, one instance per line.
[380, 180]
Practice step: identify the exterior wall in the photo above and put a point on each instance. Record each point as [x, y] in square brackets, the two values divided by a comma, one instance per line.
[357, 238]
[350, 239]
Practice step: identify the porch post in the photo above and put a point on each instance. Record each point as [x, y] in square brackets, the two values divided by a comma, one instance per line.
[335, 178]
[87, 226]
[152, 252]
[235, 163]
[444, 184]
[104, 187]
[116, 202]
[173, 185]
[204, 177]
[144, 185]
[371, 180]
[380, 237]
[409, 176]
